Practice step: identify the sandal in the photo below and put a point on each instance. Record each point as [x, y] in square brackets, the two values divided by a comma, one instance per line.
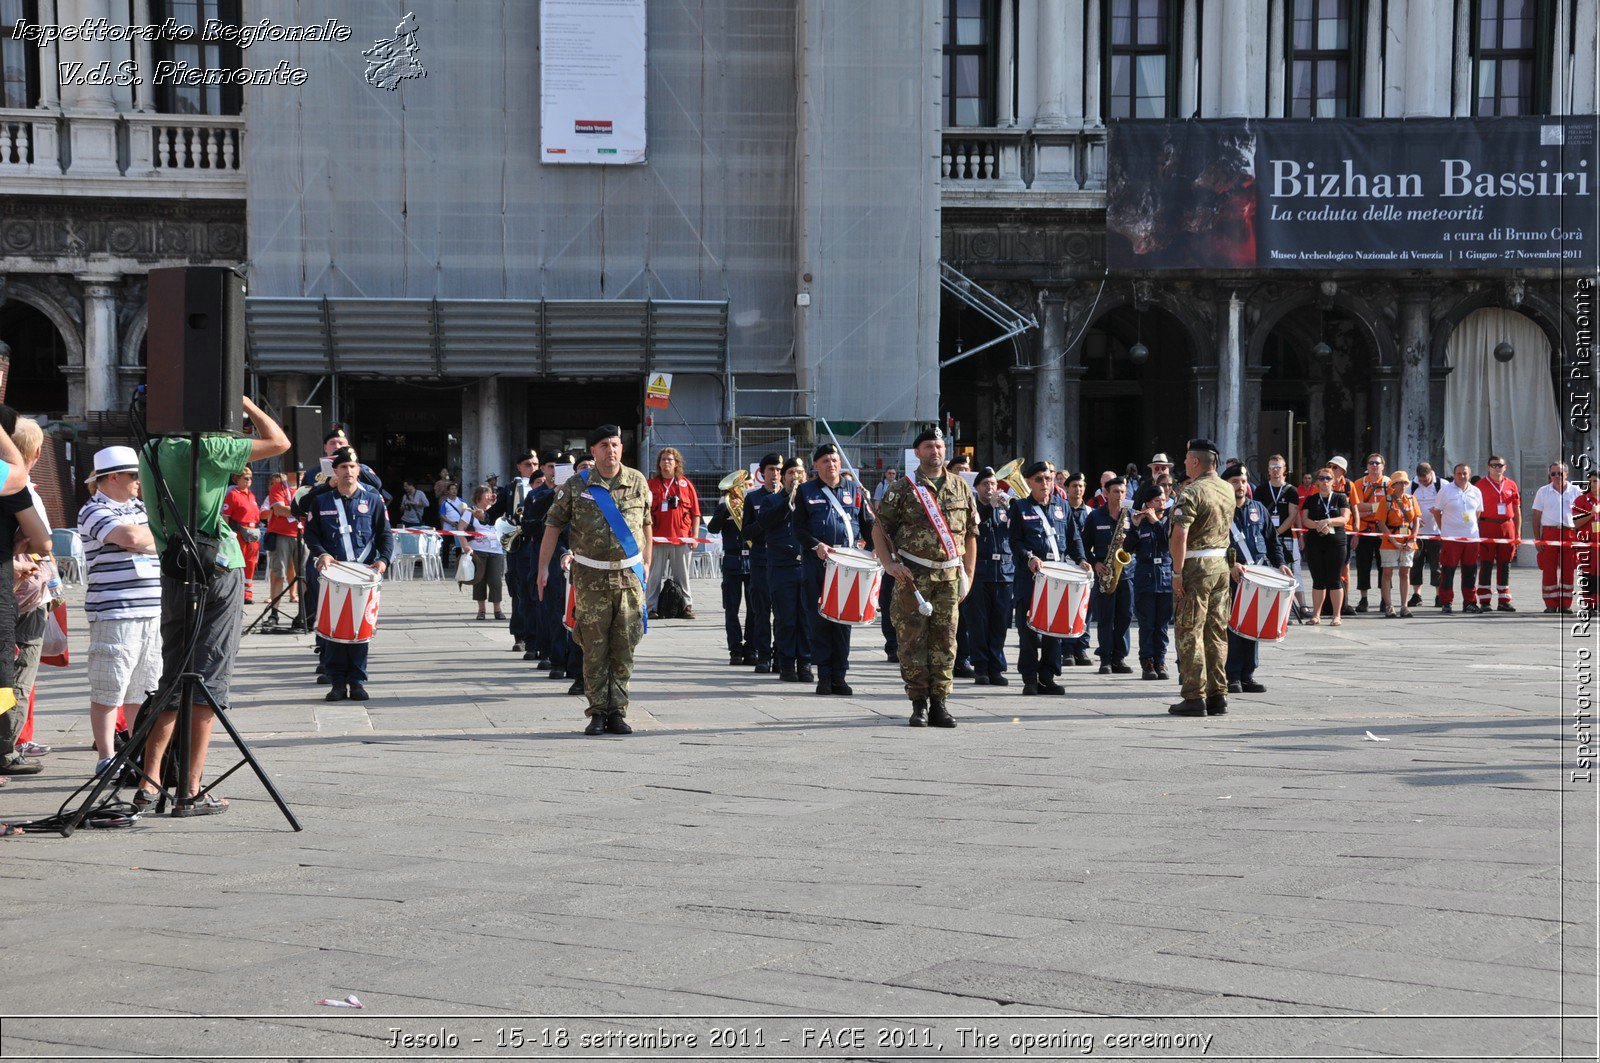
[1405, 614]
[1337, 622]
[209, 805]
[144, 800]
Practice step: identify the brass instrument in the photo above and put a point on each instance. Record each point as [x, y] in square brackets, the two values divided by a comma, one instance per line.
[734, 485]
[1116, 557]
[1011, 475]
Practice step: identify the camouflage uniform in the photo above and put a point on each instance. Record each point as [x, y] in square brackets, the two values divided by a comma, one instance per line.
[928, 643]
[1200, 617]
[609, 604]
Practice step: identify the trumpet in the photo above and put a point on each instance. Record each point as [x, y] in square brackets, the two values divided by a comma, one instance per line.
[734, 485]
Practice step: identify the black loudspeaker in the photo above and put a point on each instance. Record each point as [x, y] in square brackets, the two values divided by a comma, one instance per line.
[306, 430]
[194, 377]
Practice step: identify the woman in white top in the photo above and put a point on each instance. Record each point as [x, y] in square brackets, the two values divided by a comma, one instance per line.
[483, 542]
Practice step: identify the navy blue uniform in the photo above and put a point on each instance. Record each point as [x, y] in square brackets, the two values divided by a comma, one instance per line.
[1078, 647]
[302, 506]
[1255, 542]
[1147, 541]
[1033, 528]
[815, 521]
[354, 529]
[735, 580]
[758, 633]
[987, 611]
[521, 579]
[563, 651]
[791, 642]
[1113, 613]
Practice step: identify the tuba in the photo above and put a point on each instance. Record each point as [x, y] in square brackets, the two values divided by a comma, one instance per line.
[1010, 474]
[734, 485]
[1116, 557]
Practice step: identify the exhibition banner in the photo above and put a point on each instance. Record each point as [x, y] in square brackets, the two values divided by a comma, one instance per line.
[1445, 193]
[592, 70]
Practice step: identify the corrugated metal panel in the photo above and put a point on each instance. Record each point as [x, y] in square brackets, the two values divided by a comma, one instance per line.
[391, 337]
[286, 335]
[589, 337]
[688, 337]
[486, 336]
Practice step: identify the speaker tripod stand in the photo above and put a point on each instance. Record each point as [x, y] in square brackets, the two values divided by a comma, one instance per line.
[266, 623]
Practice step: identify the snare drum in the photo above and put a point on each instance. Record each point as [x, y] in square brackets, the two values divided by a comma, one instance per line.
[1060, 606]
[850, 587]
[347, 606]
[1261, 604]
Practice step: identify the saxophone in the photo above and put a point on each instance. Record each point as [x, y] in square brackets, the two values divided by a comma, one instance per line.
[1116, 557]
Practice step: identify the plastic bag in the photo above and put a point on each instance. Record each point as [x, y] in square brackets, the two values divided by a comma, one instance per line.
[466, 569]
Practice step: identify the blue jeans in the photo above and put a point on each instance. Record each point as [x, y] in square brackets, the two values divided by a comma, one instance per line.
[1154, 609]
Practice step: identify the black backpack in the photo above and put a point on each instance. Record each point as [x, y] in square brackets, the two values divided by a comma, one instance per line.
[671, 604]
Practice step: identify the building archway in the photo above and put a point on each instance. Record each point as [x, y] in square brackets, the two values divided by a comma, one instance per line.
[1334, 395]
[1128, 412]
[39, 354]
[977, 391]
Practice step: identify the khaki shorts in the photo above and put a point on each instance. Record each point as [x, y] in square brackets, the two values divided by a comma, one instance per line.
[1400, 558]
[124, 660]
[285, 557]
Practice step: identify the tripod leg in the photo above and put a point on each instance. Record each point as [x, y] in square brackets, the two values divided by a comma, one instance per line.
[131, 750]
[249, 757]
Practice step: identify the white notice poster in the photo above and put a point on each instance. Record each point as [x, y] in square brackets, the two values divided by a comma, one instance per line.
[592, 81]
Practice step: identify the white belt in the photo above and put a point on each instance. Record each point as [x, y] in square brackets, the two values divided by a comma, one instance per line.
[608, 566]
[1222, 552]
[938, 566]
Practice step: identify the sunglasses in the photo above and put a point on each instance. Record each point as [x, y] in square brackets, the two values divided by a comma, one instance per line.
[1329, 479]
[1497, 465]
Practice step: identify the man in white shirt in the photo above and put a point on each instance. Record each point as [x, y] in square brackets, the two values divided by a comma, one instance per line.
[1425, 488]
[1553, 530]
[1457, 509]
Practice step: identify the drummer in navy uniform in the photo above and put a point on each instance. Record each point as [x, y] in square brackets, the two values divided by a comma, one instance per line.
[1255, 542]
[791, 639]
[987, 609]
[828, 515]
[1040, 532]
[348, 523]
[758, 633]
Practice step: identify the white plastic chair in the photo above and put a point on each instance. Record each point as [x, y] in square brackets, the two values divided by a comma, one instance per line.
[408, 556]
[68, 549]
[432, 566]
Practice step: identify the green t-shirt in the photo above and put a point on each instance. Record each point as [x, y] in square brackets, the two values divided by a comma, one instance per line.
[220, 457]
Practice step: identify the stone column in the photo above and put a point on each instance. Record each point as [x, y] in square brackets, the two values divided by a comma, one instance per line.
[472, 468]
[1421, 52]
[1230, 375]
[100, 344]
[1022, 383]
[1415, 440]
[49, 56]
[1005, 109]
[493, 449]
[1463, 86]
[1250, 418]
[93, 127]
[1188, 53]
[1233, 60]
[1275, 62]
[1049, 392]
[1583, 59]
[1093, 111]
[1386, 421]
[1316, 426]
[144, 55]
[1054, 69]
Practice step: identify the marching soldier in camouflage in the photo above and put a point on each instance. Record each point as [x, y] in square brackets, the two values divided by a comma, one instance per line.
[609, 594]
[913, 551]
[1202, 519]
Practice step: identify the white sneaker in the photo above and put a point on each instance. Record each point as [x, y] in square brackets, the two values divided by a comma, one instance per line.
[33, 749]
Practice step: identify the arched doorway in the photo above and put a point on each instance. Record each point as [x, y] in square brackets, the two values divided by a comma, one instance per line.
[1509, 408]
[37, 384]
[977, 390]
[1129, 411]
[1320, 365]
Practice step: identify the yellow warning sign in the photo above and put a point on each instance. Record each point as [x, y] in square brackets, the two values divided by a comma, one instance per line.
[657, 389]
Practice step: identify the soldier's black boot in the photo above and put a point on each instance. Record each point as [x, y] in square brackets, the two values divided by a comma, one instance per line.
[963, 671]
[1188, 707]
[763, 667]
[841, 687]
[597, 724]
[617, 724]
[1147, 667]
[1048, 685]
[790, 674]
[576, 687]
[999, 680]
[938, 715]
[735, 658]
[1234, 687]
[806, 674]
[824, 685]
[556, 673]
[1030, 686]
[1121, 668]
[1216, 705]
[919, 712]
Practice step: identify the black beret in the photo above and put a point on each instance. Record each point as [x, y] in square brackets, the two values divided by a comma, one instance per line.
[823, 451]
[604, 432]
[1075, 478]
[1142, 497]
[345, 455]
[336, 433]
[1034, 469]
[1233, 470]
[929, 435]
[526, 455]
[537, 475]
[792, 463]
[985, 473]
[774, 458]
[1202, 444]
[1115, 481]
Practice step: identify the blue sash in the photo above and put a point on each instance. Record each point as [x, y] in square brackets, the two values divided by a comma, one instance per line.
[601, 497]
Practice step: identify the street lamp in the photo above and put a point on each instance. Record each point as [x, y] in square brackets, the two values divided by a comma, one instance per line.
[1504, 352]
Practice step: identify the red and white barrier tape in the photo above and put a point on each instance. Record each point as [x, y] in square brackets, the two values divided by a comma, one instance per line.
[679, 540]
[1458, 538]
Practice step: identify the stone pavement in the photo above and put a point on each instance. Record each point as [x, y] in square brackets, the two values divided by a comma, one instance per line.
[1271, 883]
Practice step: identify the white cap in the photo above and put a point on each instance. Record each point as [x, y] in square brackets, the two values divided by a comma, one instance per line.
[113, 459]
